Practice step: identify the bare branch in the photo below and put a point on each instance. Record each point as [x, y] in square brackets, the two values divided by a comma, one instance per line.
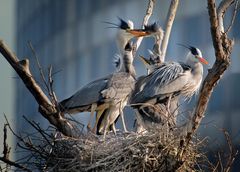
[39, 65]
[12, 163]
[46, 108]
[51, 92]
[233, 17]
[232, 153]
[223, 48]
[145, 21]
[6, 149]
[168, 26]
[222, 8]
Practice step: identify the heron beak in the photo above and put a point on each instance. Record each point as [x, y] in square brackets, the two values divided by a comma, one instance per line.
[145, 61]
[138, 32]
[203, 61]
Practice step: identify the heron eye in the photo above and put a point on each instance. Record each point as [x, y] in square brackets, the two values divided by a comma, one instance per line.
[196, 57]
[194, 51]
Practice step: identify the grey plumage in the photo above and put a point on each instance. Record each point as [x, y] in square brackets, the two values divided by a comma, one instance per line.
[164, 85]
[161, 82]
[82, 100]
[102, 94]
[123, 83]
[109, 91]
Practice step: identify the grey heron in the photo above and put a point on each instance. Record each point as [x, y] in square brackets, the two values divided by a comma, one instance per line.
[154, 112]
[96, 96]
[125, 83]
[170, 80]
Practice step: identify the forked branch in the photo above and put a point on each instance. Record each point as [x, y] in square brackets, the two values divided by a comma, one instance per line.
[223, 48]
[46, 108]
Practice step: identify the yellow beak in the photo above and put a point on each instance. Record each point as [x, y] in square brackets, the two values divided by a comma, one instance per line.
[145, 61]
[138, 32]
[202, 60]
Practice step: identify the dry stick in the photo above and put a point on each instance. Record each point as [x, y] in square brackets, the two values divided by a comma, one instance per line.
[233, 17]
[145, 21]
[48, 84]
[11, 163]
[221, 12]
[6, 151]
[232, 153]
[39, 65]
[223, 48]
[46, 108]
[169, 22]
[38, 129]
[51, 92]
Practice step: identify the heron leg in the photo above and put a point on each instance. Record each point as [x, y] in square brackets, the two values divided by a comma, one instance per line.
[107, 122]
[122, 116]
[168, 105]
[98, 115]
[106, 127]
[171, 120]
[114, 129]
[93, 108]
[123, 121]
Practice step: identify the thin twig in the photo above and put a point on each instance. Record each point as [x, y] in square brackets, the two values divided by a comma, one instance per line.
[222, 8]
[12, 163]
[145, 22]
[51, 92]
[39, 65]
[233, 17]
[39, 130]
[232, 153]
[6, 149]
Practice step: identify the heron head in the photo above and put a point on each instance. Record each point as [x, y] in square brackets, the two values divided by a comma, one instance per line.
[126, 29]
[195, 55]
[127, 32]
[153, 62]
[154, 30]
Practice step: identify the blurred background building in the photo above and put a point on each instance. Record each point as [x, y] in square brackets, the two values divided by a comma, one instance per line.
[7, 86]
[71, 36]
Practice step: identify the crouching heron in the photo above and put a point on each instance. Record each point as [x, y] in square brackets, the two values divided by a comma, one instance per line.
[166, 82]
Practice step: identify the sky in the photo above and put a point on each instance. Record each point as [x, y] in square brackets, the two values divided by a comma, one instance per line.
[6, 72]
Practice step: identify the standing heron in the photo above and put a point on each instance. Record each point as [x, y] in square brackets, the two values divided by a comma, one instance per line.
[96, 96]
[169, 80]
[123, 85]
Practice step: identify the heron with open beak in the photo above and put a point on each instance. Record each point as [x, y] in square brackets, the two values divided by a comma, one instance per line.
[96, 96]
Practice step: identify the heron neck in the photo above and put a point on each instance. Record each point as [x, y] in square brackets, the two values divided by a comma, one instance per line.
[197, 70]
[196, 73]
[121, 42]
[127, 64]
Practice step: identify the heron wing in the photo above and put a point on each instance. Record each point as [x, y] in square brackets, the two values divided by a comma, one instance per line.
[168, 78]
[87, 95]
[119, 87]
